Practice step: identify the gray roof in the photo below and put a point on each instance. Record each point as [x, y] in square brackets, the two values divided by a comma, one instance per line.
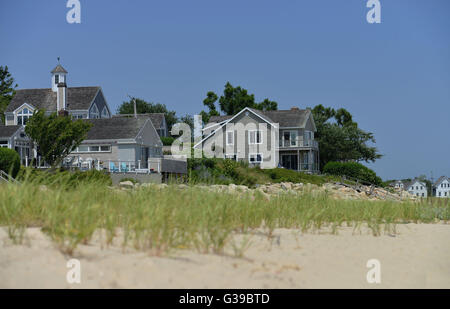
[219, 119]
[441, 179]
[8, 131]
[59, 69]
[173, 166]
[78, 98]
[156, 118]
[115, 128]
[293, 118]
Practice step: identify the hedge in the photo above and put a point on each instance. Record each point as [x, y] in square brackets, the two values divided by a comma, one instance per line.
[353, 170]
[9, 161]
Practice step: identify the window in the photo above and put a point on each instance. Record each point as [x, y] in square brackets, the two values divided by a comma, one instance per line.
[56, 79]
[423, 194]
[3, 144]
[290, 138]
[255, 137]
[96, 148]
[230, 137]
[23, 116]
[79, 116]
[94, 112]
[255, 158]
[105, 113]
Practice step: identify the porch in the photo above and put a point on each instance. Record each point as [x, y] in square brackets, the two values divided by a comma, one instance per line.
[300, 160]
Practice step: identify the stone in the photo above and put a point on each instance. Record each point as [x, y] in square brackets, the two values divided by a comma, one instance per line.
[126, 184]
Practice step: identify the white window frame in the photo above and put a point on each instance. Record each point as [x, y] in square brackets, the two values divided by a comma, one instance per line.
[95, 112]
[256, 155]
[89, 149]
[232, 139]
[256, 140]
[21, 114]
[105, 113]
[290, 140]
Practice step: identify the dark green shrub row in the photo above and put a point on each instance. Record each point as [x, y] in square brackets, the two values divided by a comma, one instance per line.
[167, 141]
[9, 161]
[353, 170]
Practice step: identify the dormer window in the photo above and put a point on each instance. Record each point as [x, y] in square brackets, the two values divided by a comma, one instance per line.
[105, 113]
[94, 112]
[23, 116]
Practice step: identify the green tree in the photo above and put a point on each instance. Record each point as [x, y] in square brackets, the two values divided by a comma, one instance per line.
[233, 100]
[7, 90]
[340, 139]
[56, 136]
[144, 107]
[9, 161]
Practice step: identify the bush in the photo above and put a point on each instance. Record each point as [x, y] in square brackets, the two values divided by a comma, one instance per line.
[167, 141]
[9, 161]
[353, 170]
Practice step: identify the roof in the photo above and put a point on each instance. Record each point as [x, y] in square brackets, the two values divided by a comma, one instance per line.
[8, 131]
[173, 166]
[115, 128]
[293, 118]
[78, 98]
[407, 184]
[441, 179]
[156, 118]
[59, 69]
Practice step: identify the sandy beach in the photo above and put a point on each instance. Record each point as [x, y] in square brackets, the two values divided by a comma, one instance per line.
[417, 257]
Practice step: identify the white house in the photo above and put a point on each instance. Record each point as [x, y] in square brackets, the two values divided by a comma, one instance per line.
[441, 187]
[417, 188]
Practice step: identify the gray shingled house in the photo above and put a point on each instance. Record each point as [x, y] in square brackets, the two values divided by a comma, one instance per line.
[79, 102]
[267, 139]
[117, 144]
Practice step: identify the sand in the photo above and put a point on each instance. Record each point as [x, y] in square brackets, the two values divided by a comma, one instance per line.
[418, 257]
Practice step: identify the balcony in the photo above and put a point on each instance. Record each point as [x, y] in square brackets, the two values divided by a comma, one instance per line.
[287, 144]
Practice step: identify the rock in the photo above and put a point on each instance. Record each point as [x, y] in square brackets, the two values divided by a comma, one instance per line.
[286, 186]
[126, 185]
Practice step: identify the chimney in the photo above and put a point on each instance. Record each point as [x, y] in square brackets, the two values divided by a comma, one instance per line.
[61, 97]
[295, 109]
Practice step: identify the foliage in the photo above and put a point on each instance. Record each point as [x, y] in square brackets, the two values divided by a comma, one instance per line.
[353, 170]
[56, 136]
[340, 138]
[9, 161]
[220, 171]
[7, 91]
[64, 178]
[284, 175]
[159, 220]
[144, 107]
[167, 141]
[233, 100]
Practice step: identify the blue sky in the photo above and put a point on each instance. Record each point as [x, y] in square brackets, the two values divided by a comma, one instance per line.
[394, 77]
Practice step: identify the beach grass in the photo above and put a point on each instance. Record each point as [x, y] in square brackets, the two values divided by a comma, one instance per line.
[160, 220]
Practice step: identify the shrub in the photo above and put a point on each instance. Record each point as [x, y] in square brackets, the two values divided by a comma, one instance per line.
[167, 141]
[353, 170]
[9, 161]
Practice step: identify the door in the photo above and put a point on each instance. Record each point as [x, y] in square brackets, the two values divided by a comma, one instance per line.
[289, 162]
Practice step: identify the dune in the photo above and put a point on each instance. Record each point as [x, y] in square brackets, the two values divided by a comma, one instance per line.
[418, 256]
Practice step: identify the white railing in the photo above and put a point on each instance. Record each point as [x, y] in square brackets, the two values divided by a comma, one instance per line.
[298, 143]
